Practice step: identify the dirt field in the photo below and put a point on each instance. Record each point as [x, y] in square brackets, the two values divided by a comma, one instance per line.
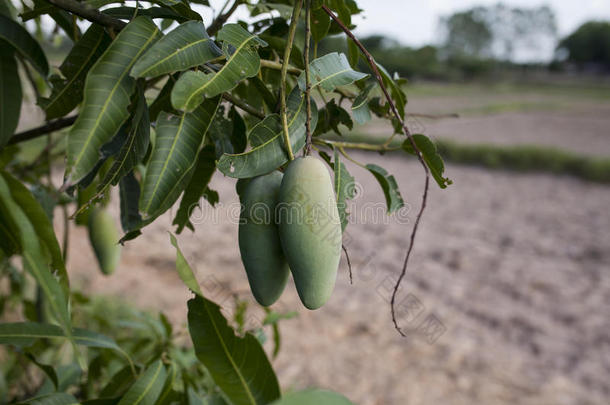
[506, 300]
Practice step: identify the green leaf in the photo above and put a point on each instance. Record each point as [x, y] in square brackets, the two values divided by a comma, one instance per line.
[174, 155]
[42, 225]
[186, 46]
[23, 43]
[24, 334]
[68, 93]
[184, 270]
[389, 186]
[129, 194]
[202, 174]
[135, 146]
[239, 366]
[47, 369]
[108, 90]
[56, 398]
[242, 62]
[148, 387]
[431, 157]
[267, 151]
[331, 116]
[330, 71]
[360, 107]
[320, 23]
[344, 188]
[314, 396]
[163, 100]
[398, 96]
[10, 94]
[34, 259]
[352, 53]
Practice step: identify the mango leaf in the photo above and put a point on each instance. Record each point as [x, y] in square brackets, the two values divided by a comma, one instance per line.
[135, 146]
[23, 43]
[56, 398]
[267, 151]
[10, 93]
[186, 46]
[129, 194]
[389, 186]
[46, 368]
[68, 93]
[330, 71]
[174, 155]
[360, 107]
[148, 387]
[184, 270]
[431, 157]
[320, 23]
[34, 259]
[42, 225]
[398, 96]
[163, 100]
[61, 17]
[239, 366]
[344, 188]
[202, 174]
[108, 90]
[331, 116]
[24, 334]
[314, 396]
[242, 62]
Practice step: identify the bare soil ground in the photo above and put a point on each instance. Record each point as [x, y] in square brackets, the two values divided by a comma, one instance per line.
[506, 299]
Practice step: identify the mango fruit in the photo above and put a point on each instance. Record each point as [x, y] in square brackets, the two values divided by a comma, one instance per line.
[310, 229]
[259, 240]
[104, 238]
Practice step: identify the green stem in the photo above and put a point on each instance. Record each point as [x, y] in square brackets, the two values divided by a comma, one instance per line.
[283, 109]
[307, 79]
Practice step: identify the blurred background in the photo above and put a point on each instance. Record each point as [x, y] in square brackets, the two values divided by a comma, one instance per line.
[507, 297]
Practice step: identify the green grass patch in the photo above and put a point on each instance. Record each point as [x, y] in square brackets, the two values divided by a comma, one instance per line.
[521, 158]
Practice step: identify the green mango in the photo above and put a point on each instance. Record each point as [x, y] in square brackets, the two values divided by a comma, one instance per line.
[310, 229]
[104, 238]
[259, 240]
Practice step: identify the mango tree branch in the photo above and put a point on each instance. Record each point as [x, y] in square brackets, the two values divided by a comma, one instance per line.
[406, 131]
[296, 10]
[222, 18]
[243, 105]
[307, 81]
[49, 127]
[89, 13]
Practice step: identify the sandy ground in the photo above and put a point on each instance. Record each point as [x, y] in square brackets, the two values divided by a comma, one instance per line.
[506, 299]
[510, 279]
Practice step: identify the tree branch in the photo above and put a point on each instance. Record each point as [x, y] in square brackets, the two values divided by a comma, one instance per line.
[243, 105]
[49, 127]
[222, 18]
[296, 10]
[406, 131]
[89, 13]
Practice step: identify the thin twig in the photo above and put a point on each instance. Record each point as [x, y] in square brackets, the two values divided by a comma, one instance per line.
[406, 131]
[376, 147]
[349, 264]
[308, 82]
[271, 64]
[296, 10]
[243, 105]
[42, 130]
[348, 157]
[89, 13]
[222, 18]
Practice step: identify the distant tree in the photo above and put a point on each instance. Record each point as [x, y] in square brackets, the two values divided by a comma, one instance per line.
[498, 31]
[590, 43]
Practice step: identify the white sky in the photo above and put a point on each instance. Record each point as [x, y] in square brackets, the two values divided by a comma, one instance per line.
[417, 21]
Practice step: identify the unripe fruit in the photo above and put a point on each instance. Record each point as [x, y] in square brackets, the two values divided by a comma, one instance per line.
[310, 229]
[259, 240]
[104, 236]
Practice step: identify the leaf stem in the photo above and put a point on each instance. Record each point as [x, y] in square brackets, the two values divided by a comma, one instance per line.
[406, 131]
[296, 10]
[243, 105]
[307, 79]
[222, 18]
